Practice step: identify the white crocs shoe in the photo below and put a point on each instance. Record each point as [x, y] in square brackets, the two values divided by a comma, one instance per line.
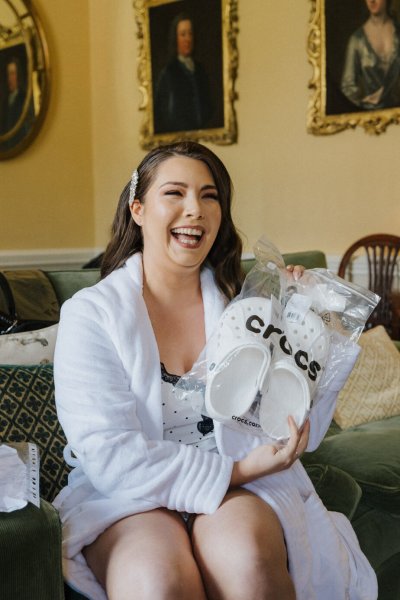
[285, 393]
[293, 379]
[239, 359]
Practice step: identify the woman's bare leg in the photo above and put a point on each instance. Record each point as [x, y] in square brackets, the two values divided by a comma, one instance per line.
[146, 556]
[240, 551]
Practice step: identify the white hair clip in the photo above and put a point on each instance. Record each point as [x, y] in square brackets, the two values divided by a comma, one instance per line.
[132, 189]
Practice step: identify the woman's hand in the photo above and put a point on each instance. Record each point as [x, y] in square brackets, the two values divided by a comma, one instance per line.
[268, 459]
[296, 271]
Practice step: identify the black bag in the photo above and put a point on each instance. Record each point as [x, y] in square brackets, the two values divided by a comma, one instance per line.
[30, 317]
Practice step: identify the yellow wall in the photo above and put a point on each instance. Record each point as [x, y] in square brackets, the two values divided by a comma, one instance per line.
[303, 191]
[46, 193]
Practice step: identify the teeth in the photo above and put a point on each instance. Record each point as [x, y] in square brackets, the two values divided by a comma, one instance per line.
[188, 231]
[191, 242]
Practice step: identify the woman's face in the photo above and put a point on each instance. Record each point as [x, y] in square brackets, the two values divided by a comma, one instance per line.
[181, 214]
[184, 38]
[376, 7]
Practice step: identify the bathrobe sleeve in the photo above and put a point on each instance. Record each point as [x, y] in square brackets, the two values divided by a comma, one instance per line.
[98, 411]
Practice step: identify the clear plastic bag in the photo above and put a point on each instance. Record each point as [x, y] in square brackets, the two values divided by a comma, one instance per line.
[277, 344]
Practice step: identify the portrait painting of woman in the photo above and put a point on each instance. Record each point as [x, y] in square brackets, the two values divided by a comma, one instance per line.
[354, 49]
[371, 73]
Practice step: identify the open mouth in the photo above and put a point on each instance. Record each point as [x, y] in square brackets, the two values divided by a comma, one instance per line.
[188, 236]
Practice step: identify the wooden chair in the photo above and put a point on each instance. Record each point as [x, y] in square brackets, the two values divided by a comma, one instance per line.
[383, 260]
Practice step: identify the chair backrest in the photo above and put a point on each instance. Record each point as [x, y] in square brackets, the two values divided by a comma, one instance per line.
[382, 252]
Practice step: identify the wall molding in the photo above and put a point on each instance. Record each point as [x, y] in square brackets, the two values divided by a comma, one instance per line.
[50, 258]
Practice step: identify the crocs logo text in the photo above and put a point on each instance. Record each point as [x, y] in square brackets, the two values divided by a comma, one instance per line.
[255, 324]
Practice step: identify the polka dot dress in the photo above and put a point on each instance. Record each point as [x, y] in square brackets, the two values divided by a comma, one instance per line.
[180, 422]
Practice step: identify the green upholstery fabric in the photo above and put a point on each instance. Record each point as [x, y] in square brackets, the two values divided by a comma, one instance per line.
[337, 489]
[388, 579]
[66, 283]
[71, 594]
[28, 414]
[371, 454]
[310, 259]
[378, 533]
[30, 554]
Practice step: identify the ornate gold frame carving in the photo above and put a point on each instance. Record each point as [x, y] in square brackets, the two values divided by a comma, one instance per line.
[318, 121]
[27, 33]
[227, 133]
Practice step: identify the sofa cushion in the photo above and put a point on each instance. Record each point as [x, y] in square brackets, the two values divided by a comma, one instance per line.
[28, 347]
[67, 283]
[33, 294]
[337, 489]
[28, 414]
[30, 554]
[372, 392]
[371, 454]
[378, 533]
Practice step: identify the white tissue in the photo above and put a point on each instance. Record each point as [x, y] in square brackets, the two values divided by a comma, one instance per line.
[13, 479]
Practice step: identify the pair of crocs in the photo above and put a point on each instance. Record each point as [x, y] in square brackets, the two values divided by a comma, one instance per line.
[242, 374]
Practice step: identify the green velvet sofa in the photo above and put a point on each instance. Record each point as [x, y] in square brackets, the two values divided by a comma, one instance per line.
[356, 471]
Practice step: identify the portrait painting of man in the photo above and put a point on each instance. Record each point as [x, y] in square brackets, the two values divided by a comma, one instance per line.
[186, 65]
[187, 70]
[13, 95]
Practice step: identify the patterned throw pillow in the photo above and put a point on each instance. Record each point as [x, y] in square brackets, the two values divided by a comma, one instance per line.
[372, 392]
[28, 414]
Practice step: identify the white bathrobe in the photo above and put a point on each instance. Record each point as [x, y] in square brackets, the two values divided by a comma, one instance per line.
[108, 396]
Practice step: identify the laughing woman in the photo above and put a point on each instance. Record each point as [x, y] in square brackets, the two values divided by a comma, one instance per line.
[155, 508]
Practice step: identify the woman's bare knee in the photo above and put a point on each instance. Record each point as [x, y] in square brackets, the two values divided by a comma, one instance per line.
[134, 558]
[241, 551]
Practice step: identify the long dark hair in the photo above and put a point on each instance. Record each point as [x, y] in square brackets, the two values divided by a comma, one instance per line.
[225, 254]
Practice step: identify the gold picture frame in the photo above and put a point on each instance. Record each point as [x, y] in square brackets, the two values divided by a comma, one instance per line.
[172, 111]
[339, 98]
[24, 76]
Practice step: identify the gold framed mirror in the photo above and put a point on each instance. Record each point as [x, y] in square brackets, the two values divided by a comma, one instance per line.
[24, 76]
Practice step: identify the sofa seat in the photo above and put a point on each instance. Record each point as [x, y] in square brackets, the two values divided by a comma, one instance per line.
[355, 471]
[370, 453]
[30, 554]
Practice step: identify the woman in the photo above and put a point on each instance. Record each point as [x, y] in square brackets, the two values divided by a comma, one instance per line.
[371, 74]
[154, 512]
